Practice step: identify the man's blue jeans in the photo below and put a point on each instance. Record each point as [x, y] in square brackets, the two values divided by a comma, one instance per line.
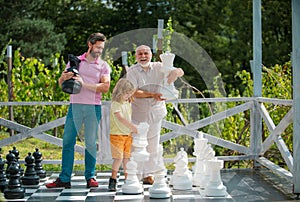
[79, 115]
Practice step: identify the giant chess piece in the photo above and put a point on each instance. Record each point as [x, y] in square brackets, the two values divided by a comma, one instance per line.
[140, 143]
[138, 156]
[30, 177]
[132, 184]
[168, 91]
[71, 85]
[160, 188]
[182, 176]
[3, 182]
[215, 186]
[10, 157]
[14, 189]
[16, 153]
[38, 164]
[203, 152]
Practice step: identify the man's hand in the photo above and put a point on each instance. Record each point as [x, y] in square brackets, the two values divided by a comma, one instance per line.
[157, 96]
[174, 74]
[66, 75]
[78, 78]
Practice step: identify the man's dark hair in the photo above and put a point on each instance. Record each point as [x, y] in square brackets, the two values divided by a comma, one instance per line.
[93, 38]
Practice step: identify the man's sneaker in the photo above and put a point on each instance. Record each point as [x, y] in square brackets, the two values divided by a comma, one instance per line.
[91, 183]
[58, 183]
[112, 184]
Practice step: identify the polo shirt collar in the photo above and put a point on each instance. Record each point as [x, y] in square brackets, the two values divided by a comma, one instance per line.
[83, 57]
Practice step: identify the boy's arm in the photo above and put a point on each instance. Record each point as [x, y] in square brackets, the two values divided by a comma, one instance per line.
[127, 123]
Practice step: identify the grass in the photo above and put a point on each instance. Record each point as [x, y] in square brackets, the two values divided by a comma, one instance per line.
[53, 152]
[49, 152]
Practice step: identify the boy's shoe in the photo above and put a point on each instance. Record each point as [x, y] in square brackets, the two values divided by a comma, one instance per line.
[91, 183]
[59, 183]
[112, 184]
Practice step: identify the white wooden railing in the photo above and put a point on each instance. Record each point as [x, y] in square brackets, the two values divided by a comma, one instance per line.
[254, 105]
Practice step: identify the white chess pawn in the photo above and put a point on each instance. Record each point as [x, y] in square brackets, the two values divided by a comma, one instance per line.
[132, 184]
[182, 176]
[169, 91]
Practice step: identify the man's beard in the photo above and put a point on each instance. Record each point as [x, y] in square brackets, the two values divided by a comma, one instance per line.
[94, 54]
[147, 64]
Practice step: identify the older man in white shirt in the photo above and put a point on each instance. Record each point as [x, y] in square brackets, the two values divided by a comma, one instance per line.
[148, 105]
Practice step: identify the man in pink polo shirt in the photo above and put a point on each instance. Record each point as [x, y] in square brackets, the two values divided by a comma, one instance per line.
[84, 109]
[148, 105]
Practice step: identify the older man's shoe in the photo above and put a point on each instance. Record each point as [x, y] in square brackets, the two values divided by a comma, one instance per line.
[148, 180]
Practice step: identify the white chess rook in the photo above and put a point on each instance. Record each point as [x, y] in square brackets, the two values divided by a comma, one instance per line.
[169, 91]
[215, 185]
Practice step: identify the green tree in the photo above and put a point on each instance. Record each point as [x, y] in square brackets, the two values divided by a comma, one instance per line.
[35, 36]
[77, 20]
[224, 30]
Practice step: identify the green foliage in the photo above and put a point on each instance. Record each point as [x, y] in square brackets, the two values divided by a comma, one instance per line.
[219, 27]
[277, 83]
[115, 75]
[36, 38]
[225, 36]
[168, 31]
[33, 81]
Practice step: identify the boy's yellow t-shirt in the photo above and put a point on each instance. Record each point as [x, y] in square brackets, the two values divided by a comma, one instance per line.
[116, 127]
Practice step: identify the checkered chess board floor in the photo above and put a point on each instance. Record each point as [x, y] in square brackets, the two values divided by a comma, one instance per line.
[79, 192]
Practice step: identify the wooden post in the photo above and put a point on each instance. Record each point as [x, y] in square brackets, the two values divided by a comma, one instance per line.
[124, 64]
[10, 89]
[256, 118]
[160, 28]
[154, 44]
[296, 94]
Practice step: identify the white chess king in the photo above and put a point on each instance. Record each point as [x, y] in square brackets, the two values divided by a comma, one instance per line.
[168, 90]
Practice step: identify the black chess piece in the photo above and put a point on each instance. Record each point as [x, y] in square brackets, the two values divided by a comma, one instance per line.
[10, 157]
[38, 164]
[3, 182]
[30, 177]
[14, 189]
[16, 153]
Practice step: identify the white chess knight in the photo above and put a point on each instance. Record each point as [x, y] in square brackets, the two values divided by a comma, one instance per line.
[182, 176]
[160, 188]
[168, 91]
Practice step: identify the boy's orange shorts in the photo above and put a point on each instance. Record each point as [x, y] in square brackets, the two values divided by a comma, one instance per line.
[120, 146]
